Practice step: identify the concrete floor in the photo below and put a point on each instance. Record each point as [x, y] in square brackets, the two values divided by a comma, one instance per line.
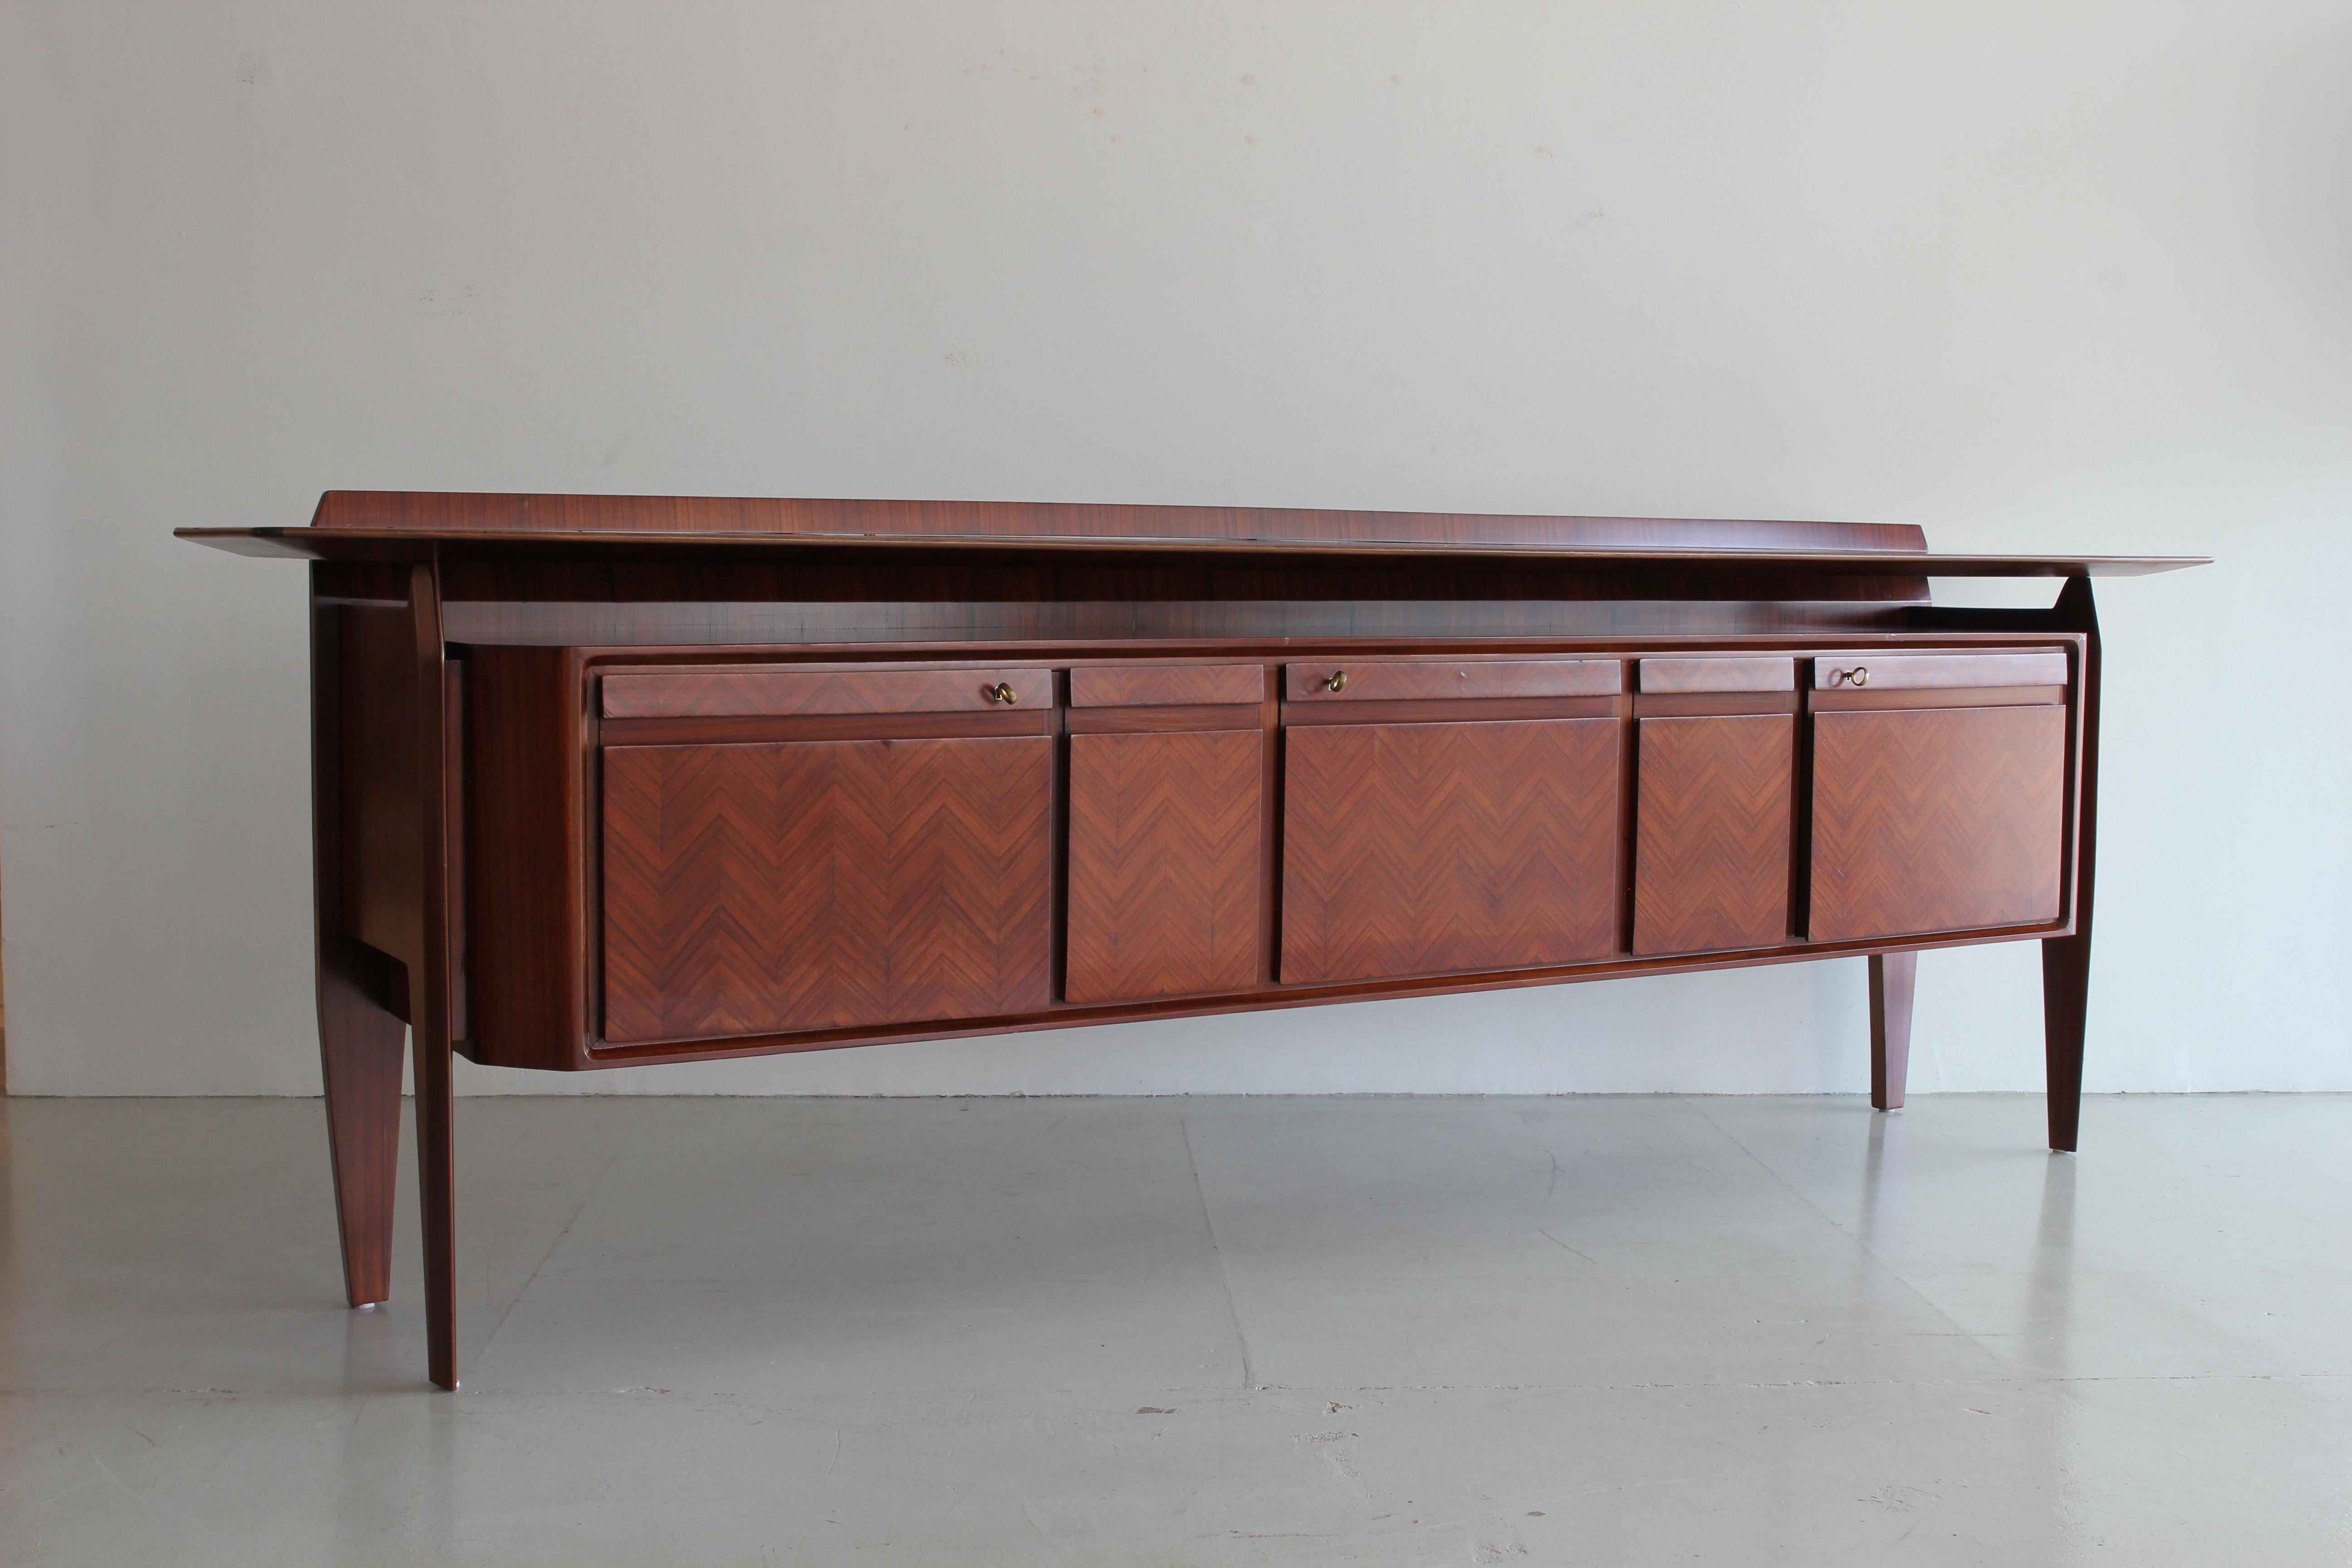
[1046, 1331]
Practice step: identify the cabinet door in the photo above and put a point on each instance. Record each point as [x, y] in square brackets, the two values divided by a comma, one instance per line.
[1935, 819]
[1166, 886]
[1438, 848]
[822, 884]
[1711, 862]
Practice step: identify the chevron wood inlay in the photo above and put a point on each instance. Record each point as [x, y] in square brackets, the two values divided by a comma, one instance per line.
[1436, 848]
[1711, 863]
[1164, 891]
[1937, 819]
[819, 884]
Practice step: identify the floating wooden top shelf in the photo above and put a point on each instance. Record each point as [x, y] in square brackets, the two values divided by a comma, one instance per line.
[381, 525]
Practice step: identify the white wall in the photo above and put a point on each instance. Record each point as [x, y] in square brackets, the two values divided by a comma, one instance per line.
[2037, 277]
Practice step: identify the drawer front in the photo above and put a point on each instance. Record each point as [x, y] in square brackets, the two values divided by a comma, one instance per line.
[1712, 828]
[1439, 849]
[1937, 819]
[1166, 686]
[778, 693]
[1166, 863]
[824, 884]
[1755, 673]
[1394, 680]
[1931, 671]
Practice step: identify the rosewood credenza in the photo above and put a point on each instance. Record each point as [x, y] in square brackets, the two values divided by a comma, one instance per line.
[602, 781]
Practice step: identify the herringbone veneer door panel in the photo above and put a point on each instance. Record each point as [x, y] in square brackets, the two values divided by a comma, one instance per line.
[1937, 819]
[1711, 864]
[819, 884]
[1164, 890]
[1439, 849]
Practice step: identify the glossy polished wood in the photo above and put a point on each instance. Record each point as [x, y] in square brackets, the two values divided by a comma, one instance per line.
[2066, 959]
[1937, 819]
[1894, 977]
[1845, 699]
[1432, 849]
[1682, 704]
[446, 512]
[431, 1016]
[530, 771]
[1717, 673]
[1305, 715]
[472, 784]
[705, 693]
[1922, 672]
[1166, 686]
[919, 724]
[817, 884]
[360, 1039]
[1426, 681]
[1165, 864]
[1711, 871]
[1129, 720]
[355, 524]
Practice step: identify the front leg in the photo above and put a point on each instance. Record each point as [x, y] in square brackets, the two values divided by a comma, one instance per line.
[1893, 978]
[431, 1013]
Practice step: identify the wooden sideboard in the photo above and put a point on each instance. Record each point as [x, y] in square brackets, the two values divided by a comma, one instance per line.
[602, 781]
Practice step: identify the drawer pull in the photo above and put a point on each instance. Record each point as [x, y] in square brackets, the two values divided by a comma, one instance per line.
[1860, 676]
[1001, 692]
[1336, 681]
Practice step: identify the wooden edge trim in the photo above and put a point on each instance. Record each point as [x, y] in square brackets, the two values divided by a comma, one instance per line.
[1166, 686]
[726, 729]
[1892, 671]
[708, 693]
[1443, 711]
[1470, 678]
[1947, 696]
[1700, 704]
[1140, 720]
[1717, 673]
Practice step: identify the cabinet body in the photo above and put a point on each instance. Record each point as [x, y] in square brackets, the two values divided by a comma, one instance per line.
[751, 850]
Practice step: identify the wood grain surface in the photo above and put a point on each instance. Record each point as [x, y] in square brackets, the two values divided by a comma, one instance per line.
[810, 885]
[1924, 671]
[1432, 848]
[1846, 700]
[713, 694]
[1164, 864]
[1720, 674]
[526, 774]
[458, 511]
[1894, 979]
[1937, 819]
[1422, 680]
[1165, 685]
[1711, 862]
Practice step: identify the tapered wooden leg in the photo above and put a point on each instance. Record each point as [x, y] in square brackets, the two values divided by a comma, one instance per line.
[359, 1049]
[359, 1038]
[431, 1015]
[436, 1186]
[1893, 977]
[2065, 1004]
[2066, 960]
